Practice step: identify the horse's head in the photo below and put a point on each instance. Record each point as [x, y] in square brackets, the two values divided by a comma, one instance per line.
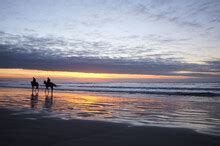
[45, 82]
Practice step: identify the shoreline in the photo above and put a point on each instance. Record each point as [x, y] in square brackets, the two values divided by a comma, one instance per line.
[34, 129]
[156, 93]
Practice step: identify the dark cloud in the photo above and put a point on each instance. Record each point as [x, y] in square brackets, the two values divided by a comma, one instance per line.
[49, 53]
[214, 66]
[35, 59]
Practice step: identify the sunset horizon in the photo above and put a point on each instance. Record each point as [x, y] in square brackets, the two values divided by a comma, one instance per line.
[110, 72]
[27, 73]
[124, 37]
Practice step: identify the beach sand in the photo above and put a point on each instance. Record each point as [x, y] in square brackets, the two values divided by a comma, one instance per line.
[36, 130]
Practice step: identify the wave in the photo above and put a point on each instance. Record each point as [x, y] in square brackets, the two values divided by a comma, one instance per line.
[166, 88]
[204, 94]
[129, 89]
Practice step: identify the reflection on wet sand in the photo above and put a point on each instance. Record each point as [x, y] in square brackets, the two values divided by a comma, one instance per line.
[48, 101]
[160, 111]
[34, 100]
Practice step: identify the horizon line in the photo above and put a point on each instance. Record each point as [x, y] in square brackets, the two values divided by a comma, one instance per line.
[28, 73]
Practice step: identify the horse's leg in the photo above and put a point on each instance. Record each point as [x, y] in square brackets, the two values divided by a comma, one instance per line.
[32, 89]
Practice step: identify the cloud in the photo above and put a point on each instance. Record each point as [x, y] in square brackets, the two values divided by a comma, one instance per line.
[37, 53]
[104, 49]
[213, 66]
[126, 36]
[185, 13]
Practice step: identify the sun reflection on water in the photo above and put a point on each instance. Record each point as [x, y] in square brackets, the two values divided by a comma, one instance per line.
[159, 111]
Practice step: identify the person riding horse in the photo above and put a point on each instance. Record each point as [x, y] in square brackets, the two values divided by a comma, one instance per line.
[48, 84]
[35, 85]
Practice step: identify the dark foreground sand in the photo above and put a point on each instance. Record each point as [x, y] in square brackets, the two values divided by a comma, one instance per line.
[17, 130]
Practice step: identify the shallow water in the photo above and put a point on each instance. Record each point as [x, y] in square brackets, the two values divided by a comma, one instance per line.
[197, 113]
[150, 89]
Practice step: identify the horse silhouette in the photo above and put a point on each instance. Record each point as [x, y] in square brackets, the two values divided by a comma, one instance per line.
[49, 84]
[35, 86]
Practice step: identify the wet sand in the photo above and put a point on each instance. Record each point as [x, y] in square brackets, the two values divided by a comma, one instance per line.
[36, 130]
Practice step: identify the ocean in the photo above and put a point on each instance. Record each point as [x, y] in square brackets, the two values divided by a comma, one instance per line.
[171, 89]
[187, 105]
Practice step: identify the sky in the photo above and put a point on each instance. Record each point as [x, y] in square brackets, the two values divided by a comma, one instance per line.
[146, 37]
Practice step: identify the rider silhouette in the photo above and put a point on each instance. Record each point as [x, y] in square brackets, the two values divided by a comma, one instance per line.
[34, 80]
[48, 80]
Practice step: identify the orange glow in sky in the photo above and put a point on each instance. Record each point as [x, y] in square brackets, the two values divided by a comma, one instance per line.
[27, 73]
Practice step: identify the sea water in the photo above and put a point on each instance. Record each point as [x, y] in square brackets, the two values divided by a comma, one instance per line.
[186, 105]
